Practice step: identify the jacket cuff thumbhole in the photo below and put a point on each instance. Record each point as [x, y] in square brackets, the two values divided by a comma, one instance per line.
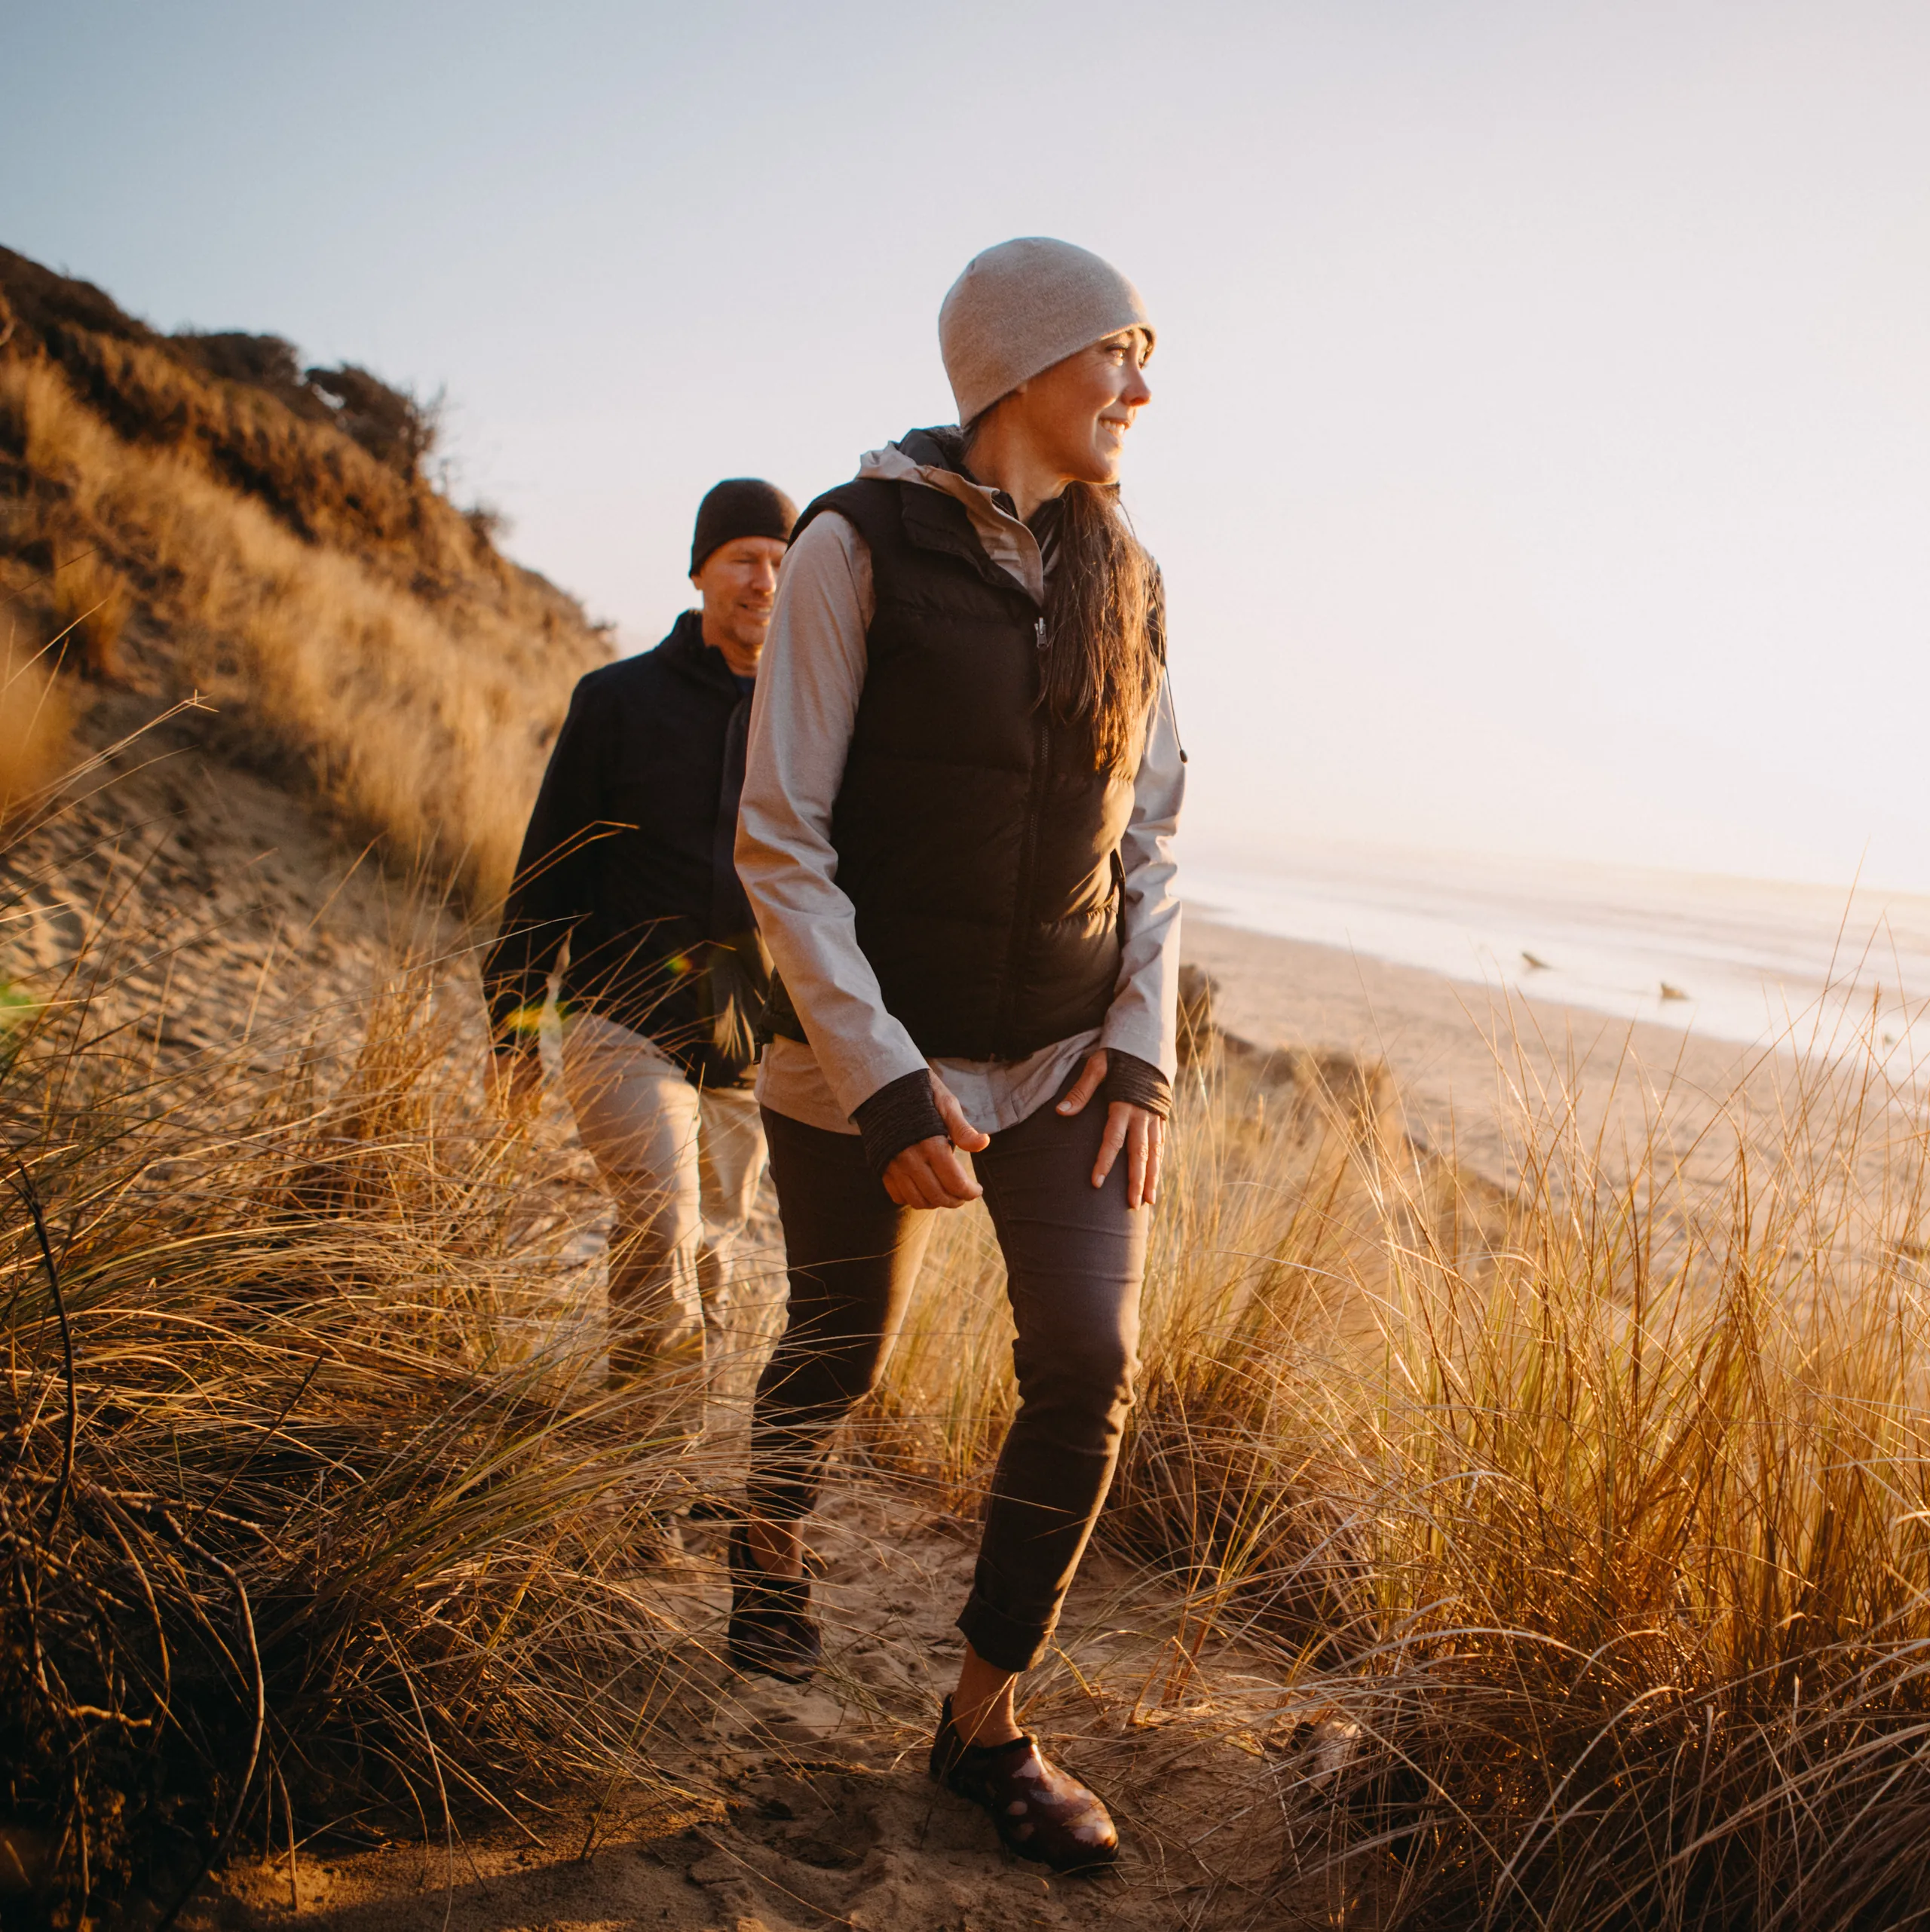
[1138, 1083]
[902, 1113]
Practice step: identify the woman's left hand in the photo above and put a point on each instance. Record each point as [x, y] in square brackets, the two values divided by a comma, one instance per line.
[1140, 1133]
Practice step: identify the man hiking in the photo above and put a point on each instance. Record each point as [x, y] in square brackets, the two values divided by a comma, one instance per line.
[626, 893]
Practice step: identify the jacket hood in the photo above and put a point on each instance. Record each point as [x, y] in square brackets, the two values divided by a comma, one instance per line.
[934, 459]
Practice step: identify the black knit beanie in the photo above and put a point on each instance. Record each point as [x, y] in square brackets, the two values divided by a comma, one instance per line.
[741, 507]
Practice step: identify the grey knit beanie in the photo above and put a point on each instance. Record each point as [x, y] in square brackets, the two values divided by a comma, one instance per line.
[1023, 305]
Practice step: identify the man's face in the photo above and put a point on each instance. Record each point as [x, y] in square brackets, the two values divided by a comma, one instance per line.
[738, 581]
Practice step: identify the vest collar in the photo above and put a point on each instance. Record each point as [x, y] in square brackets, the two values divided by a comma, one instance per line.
[935, 520]
[986, 534]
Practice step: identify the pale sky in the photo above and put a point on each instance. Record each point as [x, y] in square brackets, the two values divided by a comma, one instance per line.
[1539, 451]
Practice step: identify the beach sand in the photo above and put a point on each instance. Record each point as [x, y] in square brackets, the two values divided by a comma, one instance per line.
[1481, 1073]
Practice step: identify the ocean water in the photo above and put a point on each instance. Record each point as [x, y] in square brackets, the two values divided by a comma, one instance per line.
[1835, 971]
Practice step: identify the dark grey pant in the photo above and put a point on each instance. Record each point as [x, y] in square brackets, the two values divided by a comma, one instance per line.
[1074, 1255]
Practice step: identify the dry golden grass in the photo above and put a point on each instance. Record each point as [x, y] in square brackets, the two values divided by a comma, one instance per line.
[1589, 1530]
[427, 733]
[91, 605]
[34, 720]
[189, 515]
[312, 1509]
[1581, 1533]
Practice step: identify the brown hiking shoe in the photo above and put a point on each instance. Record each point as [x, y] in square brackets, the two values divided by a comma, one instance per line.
[772, 1629]
[1041, 1812]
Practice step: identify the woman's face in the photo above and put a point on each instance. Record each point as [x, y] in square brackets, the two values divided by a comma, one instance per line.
[1077, 412]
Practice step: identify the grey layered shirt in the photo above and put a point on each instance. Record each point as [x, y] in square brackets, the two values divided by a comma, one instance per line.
[809, 682]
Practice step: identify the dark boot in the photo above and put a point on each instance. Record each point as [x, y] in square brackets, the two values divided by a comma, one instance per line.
[772, 1629]
[1041, 1812]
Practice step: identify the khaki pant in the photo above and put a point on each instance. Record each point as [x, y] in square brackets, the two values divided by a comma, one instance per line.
[682, 1167]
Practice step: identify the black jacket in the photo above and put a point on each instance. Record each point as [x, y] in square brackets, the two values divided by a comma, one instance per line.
[628, 858]
[976, 840]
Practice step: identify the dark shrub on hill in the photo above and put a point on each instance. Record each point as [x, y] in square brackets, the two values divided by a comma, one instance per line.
[392, 424]
[263, 362]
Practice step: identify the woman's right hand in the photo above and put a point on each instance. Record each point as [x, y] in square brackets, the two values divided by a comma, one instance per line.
[929, 1174]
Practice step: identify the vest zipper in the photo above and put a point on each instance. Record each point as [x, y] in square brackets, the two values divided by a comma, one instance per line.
[1028, 843]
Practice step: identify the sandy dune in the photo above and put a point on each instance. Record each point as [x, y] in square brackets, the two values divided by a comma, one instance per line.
[810, 1806]
[1480, 1073]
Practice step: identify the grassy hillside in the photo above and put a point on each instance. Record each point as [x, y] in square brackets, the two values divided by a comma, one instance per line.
[196, 513]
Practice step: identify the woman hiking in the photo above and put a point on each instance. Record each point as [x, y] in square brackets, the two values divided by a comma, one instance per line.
[962, 781]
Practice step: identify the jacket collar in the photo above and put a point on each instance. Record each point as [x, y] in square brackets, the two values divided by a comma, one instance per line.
[685, 648]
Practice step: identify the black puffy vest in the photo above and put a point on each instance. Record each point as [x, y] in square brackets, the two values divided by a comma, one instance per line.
[978, 844]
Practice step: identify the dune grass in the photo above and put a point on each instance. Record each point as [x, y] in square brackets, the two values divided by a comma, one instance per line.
[1644, 1554]
[1583, 1529]
[313, 1508]
[1594, 1519]
[36, 718]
